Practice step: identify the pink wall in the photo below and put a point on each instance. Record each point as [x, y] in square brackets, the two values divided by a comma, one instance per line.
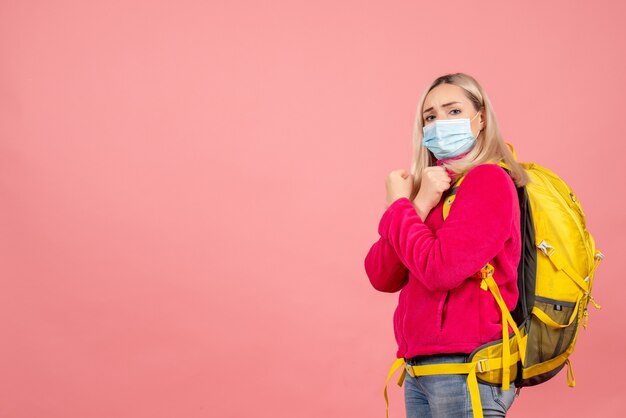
[188, 190]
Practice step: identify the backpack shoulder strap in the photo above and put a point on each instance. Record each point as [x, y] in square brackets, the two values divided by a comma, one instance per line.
[450, 196]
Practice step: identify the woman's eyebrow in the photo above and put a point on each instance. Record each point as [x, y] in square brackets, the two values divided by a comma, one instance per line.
[444, 105]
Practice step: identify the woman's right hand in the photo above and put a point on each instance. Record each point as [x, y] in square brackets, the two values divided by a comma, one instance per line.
[435, 181]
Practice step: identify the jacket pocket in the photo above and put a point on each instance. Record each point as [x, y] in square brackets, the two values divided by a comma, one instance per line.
[443, 306]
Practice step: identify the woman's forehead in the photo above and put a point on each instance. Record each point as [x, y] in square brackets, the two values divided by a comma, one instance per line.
[445, 93]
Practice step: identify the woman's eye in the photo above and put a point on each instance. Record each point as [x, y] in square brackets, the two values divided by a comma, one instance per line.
[453, 112]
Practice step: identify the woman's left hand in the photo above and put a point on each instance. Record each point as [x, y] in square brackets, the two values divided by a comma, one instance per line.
[399, 183]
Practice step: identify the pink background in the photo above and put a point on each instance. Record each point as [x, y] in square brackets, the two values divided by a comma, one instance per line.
[189, 189]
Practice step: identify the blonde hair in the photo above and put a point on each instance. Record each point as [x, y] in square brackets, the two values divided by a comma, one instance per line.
[489, 146]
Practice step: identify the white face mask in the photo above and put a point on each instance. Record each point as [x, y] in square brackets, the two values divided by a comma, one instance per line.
[449, 138]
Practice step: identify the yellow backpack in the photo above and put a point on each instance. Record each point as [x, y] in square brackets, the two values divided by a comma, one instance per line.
[555, 276]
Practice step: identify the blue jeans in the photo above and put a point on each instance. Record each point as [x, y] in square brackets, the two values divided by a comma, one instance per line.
[443, 396]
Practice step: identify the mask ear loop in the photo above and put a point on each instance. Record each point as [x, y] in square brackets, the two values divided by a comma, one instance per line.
[479, 130]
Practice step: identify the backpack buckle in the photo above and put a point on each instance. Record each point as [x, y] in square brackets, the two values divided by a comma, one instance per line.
[546, 248]
[599, 256]
[483, 365]
[486, 271]
[409, 369]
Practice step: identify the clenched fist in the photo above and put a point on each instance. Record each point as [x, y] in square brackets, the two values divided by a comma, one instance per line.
[435, 181]
[399, 183]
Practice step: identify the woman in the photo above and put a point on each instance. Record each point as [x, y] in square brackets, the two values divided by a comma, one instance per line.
[443, 314]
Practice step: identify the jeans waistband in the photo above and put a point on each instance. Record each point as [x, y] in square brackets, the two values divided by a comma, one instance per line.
[435, 358]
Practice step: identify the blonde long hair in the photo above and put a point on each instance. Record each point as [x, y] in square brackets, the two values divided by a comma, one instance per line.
[489, 146]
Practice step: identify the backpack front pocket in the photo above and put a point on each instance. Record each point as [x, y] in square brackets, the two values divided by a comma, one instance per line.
[552, 329]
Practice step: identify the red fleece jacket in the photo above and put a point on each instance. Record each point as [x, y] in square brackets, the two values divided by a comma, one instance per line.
[441, 308]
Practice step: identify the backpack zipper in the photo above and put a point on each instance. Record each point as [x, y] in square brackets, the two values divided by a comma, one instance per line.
[567, 206]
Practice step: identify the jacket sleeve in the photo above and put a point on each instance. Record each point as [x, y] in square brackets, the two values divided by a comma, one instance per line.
[476, 229]
[384, 269]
